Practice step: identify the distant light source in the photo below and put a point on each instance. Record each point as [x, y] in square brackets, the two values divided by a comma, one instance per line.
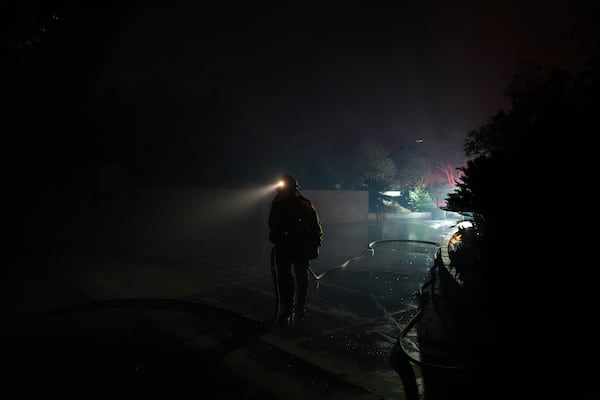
[391, 193]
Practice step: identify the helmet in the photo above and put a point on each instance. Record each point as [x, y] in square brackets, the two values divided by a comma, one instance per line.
[287, 183]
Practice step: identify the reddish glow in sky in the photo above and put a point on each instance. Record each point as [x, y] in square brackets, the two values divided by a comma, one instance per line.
[197, 83]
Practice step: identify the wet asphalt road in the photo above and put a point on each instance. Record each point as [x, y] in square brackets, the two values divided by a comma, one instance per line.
[369, 274]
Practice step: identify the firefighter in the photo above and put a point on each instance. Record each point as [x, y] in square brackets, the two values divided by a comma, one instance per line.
[297, 234]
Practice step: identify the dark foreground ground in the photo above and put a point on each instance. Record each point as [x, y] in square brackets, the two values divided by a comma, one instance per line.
[179, 319]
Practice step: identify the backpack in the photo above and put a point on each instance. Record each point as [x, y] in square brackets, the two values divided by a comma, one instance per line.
[309, 231]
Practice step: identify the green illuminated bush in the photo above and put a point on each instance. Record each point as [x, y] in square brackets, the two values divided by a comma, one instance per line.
[419, 199]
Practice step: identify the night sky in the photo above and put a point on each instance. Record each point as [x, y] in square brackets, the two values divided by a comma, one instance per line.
[187, 92]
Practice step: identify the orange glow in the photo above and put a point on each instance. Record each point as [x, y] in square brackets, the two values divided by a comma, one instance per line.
[455, 239]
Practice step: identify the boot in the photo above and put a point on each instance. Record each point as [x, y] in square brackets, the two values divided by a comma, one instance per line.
[299, 315]
[283, 321]
[285, 317]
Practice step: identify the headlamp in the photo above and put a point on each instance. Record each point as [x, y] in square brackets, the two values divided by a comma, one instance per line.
[287, 183]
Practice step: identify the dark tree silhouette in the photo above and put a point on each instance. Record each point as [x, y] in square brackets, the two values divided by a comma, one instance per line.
[511, 186]
[514, 156]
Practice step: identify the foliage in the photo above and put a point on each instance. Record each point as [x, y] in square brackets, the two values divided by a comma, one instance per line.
[419, 199]
[428, 163]
[514, 154]
[376, 170]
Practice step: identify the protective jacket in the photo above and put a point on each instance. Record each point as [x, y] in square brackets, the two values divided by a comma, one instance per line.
[295, 225]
